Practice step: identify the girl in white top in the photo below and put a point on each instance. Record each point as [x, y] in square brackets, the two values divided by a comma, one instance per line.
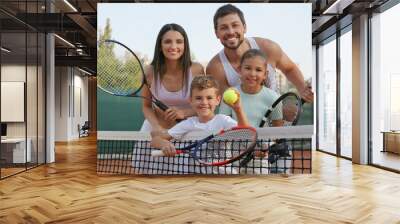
[256, 97]
[169, 74]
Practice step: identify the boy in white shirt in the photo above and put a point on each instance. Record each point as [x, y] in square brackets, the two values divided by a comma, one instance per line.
[204, 98]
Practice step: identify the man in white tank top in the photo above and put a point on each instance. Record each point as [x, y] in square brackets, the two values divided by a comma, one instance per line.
[230, 27]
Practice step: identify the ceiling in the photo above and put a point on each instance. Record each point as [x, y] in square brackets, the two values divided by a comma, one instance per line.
[75, 22]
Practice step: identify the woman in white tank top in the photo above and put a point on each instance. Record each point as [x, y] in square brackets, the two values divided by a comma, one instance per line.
[169, 74]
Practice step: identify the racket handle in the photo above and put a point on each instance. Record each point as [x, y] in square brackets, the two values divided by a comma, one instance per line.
[164, 107]
[160, 105]
[158, 153]
[262, 123]
[247, 159]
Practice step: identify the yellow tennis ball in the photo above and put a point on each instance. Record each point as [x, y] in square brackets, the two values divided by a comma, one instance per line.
[230, 96]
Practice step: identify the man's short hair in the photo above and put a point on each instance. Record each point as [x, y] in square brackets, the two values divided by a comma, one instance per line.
[204, 82]
[226, 10]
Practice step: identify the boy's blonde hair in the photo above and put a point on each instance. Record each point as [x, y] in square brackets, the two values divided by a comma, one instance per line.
[204, 82]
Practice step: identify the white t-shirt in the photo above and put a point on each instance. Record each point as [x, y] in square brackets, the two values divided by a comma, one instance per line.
[218, 123]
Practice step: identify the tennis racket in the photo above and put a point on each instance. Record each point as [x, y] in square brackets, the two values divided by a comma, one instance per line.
[220, 149]
[285, 111]
[120, 71]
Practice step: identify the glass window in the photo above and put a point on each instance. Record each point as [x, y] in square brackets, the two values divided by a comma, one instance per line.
[31, 99]
[385, 84]
[41, 153]
[22, 71]
[13, 81]
[327, 97]
[346, 94]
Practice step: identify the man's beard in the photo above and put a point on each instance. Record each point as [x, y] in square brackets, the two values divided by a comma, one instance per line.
[233, 47]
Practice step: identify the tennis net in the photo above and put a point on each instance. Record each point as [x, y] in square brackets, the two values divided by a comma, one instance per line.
[284, 150]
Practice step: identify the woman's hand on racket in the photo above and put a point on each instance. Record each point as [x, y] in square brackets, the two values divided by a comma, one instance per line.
[172, 114]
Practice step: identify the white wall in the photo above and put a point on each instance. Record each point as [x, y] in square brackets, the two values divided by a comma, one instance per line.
[14, 73]
[61, 103]
[71, 94]
[12, 101]
[33, 126]
[80, 110]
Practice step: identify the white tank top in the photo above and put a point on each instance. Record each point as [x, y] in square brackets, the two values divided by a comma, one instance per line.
[233, 77]
[179, 99]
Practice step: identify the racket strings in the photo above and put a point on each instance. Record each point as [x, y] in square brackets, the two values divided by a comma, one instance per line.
[119, 71]
[288, 111]
[226, 146]
[219, 151]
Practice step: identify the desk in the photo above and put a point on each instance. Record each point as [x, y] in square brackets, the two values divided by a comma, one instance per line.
[391, 141]
[15, 148]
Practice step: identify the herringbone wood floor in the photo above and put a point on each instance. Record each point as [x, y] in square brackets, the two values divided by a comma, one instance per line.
[70, 191]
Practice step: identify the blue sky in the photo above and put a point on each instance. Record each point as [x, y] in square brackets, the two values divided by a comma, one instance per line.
[137, 26]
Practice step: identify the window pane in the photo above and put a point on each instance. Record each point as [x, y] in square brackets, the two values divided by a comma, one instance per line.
[41, 99]
[327, 97]
[31, 97]
[13, 74]
[386, 88]
[345, 94]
